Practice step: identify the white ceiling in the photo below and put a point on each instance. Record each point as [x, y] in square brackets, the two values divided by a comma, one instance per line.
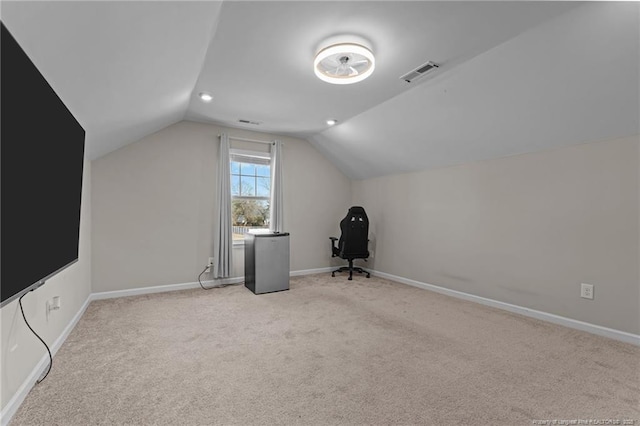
[515, 76]
[571, 80]
[124, 69]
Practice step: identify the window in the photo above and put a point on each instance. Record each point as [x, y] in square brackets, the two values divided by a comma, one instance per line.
[250, 192]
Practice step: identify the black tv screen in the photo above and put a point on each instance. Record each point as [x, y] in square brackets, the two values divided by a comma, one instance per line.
[41, 162]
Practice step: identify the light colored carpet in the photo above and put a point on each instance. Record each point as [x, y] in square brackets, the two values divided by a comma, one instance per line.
[329, 351]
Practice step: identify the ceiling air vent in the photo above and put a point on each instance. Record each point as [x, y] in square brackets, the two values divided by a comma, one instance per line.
[420, 71]
[255, 123]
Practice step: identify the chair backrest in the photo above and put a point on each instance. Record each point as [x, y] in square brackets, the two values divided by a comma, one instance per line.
[354, 240]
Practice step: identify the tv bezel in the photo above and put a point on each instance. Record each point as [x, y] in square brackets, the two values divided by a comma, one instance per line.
[44, 279]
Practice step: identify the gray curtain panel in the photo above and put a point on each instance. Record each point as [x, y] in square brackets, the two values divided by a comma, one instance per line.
[276, 213]
[222, 242]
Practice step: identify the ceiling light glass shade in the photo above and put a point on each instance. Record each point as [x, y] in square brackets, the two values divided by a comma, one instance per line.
[344, 63]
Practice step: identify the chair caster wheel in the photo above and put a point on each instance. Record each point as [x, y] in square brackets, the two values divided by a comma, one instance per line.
[333, 274]
[350, 279]
[368, 275]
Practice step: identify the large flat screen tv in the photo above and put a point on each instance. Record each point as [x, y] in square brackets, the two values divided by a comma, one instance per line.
[41, 162]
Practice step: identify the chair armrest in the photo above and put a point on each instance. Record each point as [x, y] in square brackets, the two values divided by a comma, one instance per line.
[333, 246]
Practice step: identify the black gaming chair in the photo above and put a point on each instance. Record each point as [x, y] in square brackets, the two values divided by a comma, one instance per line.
[354, 241]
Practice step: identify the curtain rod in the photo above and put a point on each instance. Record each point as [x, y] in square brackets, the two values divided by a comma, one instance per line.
[248, 140]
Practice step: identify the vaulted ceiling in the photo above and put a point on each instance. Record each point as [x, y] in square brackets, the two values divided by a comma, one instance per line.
[514, 77]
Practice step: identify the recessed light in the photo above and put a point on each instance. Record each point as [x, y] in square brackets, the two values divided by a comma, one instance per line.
[332, 122]
[205, 97]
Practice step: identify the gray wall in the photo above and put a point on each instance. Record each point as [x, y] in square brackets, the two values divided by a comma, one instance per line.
[73, 285]
[525, 230]
[153, 204]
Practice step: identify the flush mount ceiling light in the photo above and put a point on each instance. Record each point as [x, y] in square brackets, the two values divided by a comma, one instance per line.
[344, 63]
[205, 97]
[332, 121]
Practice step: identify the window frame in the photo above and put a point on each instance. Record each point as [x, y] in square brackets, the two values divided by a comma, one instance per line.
[262, 155]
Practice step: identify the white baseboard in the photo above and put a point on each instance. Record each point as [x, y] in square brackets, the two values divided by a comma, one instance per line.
[9, 410]
[311, 271]
[611, 333]
[187, 286]
[556, 319]
[162, 288]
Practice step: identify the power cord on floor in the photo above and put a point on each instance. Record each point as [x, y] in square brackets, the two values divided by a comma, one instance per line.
[215, 286]
[40, 338]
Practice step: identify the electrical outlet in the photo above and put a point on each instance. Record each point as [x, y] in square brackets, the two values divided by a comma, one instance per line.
[210, 262]
[586, 291]
[53, 305]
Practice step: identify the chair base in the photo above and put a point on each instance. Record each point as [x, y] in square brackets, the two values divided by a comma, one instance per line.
[351, 270]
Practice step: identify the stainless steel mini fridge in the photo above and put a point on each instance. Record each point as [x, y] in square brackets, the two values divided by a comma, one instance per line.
[266, 262]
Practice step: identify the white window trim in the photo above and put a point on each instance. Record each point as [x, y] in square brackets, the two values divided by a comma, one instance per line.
[257, 154]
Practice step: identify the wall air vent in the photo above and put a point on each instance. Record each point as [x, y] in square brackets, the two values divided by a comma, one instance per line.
[255, 123]
[421, 71]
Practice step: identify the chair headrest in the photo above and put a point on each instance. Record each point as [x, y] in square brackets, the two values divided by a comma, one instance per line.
[356, 210]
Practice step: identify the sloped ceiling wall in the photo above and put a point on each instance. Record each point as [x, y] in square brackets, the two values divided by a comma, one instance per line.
[124, 69]
[571, 80]
[516, 76]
